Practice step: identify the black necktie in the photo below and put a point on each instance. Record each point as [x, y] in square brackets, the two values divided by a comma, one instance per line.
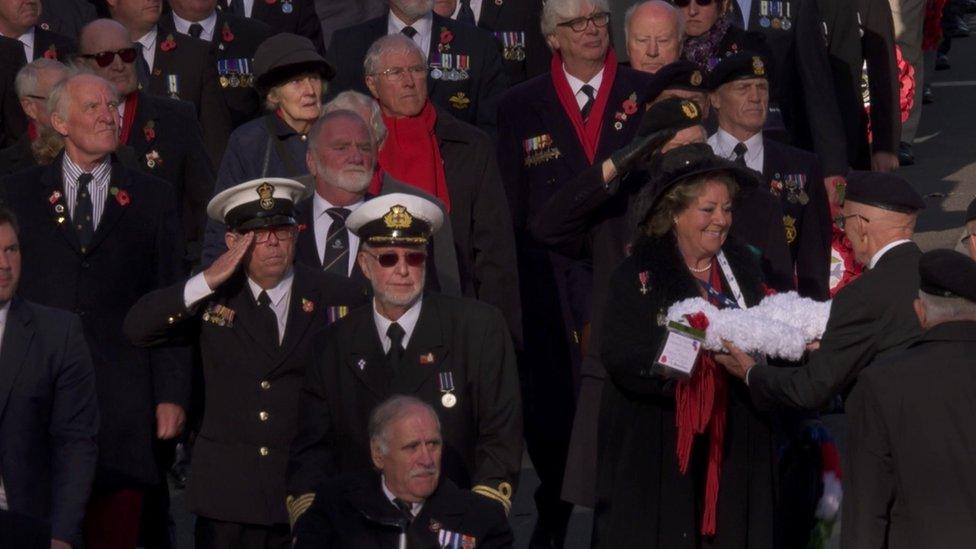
[84, 212]
[269, 320]
[466, 14]
[404, 508]
[588, 91]
[337, 243]
[196, 29]
[409, 31]
[237, 7]
[395, 333]
[740, 154]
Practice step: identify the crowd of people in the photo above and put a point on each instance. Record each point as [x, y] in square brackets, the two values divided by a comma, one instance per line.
[333, 267]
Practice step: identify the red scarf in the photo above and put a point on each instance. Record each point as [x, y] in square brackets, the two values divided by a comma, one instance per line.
[588, 134]
[701, 404]
[129, 116]
[412, 153]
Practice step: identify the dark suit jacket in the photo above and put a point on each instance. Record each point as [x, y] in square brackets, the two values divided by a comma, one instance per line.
[136, 248]
[51, 44]
[174, 151]
[909, 483]
[353, 512]
[339, 14]
[231, 479]
[522, 17]
[66, 17]
[483, 89]
[13, 122]
[18, 156]
[48, 417]
[239, 42]
[869, 317]
[351, 376]
[301, 20]
[195, 68]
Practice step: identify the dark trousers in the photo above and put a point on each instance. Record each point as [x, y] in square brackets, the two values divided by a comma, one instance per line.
[218, 534]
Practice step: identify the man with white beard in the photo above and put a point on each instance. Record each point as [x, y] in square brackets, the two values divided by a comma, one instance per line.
[341, 159]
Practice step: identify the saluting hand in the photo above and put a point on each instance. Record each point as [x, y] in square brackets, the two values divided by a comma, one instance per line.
[224, 266]
[627, 157]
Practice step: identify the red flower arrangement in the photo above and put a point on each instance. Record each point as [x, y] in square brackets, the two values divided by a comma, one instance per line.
[906, 84]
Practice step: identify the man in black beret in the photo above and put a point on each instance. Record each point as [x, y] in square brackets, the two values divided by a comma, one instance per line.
[969, 238]
[740, 96]
[910, 480]
[681, 79]
[871, 315]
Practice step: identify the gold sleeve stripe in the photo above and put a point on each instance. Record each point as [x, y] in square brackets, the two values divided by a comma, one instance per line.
[298, 506]
[496, 495]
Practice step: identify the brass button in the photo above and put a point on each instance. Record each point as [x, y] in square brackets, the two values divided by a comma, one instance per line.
[264, 451]
[265, 385]
[263, 415]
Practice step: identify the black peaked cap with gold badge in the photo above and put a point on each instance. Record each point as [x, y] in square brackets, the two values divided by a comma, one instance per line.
[258, 203]
[395, 219]
[743, 65]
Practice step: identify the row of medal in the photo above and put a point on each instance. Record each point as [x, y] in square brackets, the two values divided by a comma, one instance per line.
[795, 187]
[235, 73]
[451, 67]
[775, 14]
[513, 45]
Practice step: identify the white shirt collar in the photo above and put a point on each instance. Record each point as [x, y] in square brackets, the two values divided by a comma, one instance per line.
[408, 321]
[320, 205]
[4, 311]
[208, 24]
[415, 506]
[723, 142]
[475, 7]
[148, 40]
[877, 256]
[26, 40]
[423, 26]
[277, 293]
[575, 83]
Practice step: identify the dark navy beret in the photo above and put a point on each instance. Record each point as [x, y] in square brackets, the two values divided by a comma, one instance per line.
[947, 273]
[883, 190]
[682, 75]
[738, 66]
[671, 113]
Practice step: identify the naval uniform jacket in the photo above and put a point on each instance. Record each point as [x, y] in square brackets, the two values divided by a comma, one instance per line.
[473, 100]
[235, 38]
[457, 338]
[517, 24]
[353, 512]
[910, 482]
[869, 317]
[137, 247]
[252, 387]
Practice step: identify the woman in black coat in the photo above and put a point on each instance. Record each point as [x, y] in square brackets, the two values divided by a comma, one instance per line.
[644, 500]
[710, 34]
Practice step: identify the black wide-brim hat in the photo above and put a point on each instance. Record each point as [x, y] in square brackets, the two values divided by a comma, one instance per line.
[679, 165]
[284, 56]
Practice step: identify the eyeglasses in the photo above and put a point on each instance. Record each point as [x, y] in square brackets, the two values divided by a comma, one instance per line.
[394, 73]
[685, 3]
[390, 259]
[281, 233]
[579, 24]
[105, 58]
[841, 220]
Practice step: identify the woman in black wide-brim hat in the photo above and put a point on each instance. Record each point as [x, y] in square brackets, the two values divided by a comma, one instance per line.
[668, 476]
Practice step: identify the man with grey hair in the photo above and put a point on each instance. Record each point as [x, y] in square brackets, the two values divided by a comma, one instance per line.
[405, 496]
[39, 144]
[465, 75]
[654, 31]
[909, 480]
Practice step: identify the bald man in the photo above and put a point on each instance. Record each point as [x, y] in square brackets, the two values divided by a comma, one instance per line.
[655, 32]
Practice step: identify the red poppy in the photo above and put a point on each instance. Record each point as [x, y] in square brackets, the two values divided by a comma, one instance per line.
[51, 53]
[270, 2]
[169, 44]
[226, 35]
[149, 132]
[630, 106]
[122, 198]
[446, 36]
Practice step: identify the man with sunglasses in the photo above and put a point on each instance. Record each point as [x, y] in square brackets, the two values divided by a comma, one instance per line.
[255, 315]
[164, 133]
[455, 354]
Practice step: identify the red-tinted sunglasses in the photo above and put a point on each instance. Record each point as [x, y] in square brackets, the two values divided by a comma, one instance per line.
[684, 3]
[390, 259]
[105, 58]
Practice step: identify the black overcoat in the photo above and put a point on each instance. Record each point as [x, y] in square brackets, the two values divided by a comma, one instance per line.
[251, 409]
[502, 19]
[299, 17]
[642, 498]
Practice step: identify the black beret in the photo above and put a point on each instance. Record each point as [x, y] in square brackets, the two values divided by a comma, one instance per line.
[284, 56]
[947, 273]
[681, 75]
[971, 211]
[738, 66]
[671, 113]
[883, 190]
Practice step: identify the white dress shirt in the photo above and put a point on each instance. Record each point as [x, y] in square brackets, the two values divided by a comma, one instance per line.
[746, 7]
[27, 40]
[149, 47]
[475, 7]
[423, 26]
[576, 85]
[248, 7]
[322, 221]
[97, 187]
[196, 289]
[415, 506]
[877, 256]
[723, 143]
[208, 24]
[408, 321]
[3, 326]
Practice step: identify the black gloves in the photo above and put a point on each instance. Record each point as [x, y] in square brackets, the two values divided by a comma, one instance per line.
[642, 147]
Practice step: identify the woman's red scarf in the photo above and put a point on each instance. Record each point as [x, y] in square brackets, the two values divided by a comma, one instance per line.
[588, 134]
[701, 404]
[413, 155]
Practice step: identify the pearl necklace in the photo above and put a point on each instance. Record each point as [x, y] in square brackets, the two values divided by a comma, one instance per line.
[702, 270]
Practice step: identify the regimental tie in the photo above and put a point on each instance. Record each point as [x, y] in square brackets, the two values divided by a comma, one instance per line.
[740, 154]
[195, 30]
[395, 332]
[409, 31]
[590, 94]
[335, 259]
[268, 319]
[404, 508]
[466, 14]
[84, 211]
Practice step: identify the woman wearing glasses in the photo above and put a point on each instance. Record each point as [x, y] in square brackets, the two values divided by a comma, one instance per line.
[711, 33]
[290, 76]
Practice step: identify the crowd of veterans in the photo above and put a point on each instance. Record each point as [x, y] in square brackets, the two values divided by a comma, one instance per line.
[333, 270]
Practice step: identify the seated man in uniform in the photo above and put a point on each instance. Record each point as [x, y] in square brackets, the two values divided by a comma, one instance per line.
[407, 498]
[453, 353]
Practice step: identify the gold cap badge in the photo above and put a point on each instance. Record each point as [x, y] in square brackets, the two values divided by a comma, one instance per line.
[266, 192]
[398, 218]
[690, 108]
[696, 78]
[758, 68]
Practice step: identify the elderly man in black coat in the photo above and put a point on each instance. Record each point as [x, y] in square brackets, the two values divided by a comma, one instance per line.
[97, 236]
[407, 500]
[909, 483]
[48, 413]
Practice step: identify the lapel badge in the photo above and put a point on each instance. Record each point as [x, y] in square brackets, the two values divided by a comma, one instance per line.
[307, 305]
[286, 7]
[361, 363]
[644, 277]
[446, 37]
[539, 149]
[45, 26]
[153, 159]
[789, 223]
[498, 2]
[157, 71]
[776, 187]
[55, 196]
[60, 220]
[459, 101]
[427, 359]
[226, 34]
[149, 130]
[121, 196]
[434, 526]
[51, 53]
[169, 44]
[59, 208]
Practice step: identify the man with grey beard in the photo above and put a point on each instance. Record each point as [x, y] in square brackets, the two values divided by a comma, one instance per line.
[341, 161]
